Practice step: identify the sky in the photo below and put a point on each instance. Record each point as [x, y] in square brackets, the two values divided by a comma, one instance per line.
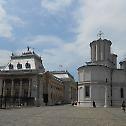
[60, 31]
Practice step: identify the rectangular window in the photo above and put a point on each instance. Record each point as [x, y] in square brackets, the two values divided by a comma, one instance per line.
[122, 93]
[87, 91]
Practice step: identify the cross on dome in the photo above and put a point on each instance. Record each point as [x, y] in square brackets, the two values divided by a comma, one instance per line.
[100, 35]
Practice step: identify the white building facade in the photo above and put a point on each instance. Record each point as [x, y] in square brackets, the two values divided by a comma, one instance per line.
[100, 80]
[21, 81]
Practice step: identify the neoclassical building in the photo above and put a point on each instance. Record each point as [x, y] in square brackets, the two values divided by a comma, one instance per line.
[100, 80]
[70, 86]
[24, 82]
[53, 89]
[21, 81]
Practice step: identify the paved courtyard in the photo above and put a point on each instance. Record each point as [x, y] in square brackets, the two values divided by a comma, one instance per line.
[62, 116]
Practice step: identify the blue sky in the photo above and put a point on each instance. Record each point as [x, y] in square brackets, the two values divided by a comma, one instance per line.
[61, 30]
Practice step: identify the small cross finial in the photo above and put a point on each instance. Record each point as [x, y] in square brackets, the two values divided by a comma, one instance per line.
[100, 34]
[28, 48]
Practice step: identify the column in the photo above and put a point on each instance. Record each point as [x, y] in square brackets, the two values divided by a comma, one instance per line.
[12, 88]
[96, 52]
[90, 91]
[4, 91]
[93, 52]
[106, 96]
[20, 90]
[12, 92]
[29, 88]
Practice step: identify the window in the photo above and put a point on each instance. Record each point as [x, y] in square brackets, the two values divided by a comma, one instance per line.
[27, 65]
[11, 66]
[121, 93]
[19, 66]
[87, 91]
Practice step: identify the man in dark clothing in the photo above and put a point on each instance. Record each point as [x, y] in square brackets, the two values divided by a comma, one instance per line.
[94, 104]
[123, 106]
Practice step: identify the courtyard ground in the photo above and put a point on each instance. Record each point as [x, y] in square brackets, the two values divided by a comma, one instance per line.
[66, 115]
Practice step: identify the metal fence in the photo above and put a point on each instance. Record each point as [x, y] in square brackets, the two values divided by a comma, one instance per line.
[10, 102]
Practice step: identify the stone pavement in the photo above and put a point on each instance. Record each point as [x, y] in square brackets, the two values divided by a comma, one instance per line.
[62, 116]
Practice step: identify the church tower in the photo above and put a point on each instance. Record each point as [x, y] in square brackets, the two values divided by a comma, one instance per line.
[101, 53]
[100, 81]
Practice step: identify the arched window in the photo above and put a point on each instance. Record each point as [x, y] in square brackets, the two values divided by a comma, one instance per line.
[19, 66]
[11, 66]
[27, 65]
[121, 92]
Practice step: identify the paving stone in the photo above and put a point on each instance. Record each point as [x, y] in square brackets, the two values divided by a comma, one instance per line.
[62, 116]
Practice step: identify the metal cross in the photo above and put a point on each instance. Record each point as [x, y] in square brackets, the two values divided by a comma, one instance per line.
[100, 34]
[28, 48]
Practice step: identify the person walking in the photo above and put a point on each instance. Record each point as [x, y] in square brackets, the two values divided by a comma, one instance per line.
[94, 105]
[123, 106]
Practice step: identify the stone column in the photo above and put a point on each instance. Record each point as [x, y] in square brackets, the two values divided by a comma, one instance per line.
[102, 51]
[29, 88]
[90, 91]
[4, 91]
[20, 90]
[12, 88]
[12, 92]
[106, 96]
[93, 52]
[96, 52]
[91, 95]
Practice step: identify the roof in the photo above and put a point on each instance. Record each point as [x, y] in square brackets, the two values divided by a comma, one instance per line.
[93, 66]
[27, 54]
[62, 74]
[26, 61]
[101, 40]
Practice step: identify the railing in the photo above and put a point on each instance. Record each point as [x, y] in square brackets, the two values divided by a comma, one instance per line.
[13, 102]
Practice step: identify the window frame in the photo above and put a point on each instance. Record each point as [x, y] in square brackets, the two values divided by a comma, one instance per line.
[27, 65]
[11, 66]
[87, 91]
[121, 92]
[19, 66]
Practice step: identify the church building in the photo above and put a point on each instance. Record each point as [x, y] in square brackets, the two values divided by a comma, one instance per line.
[100, 80]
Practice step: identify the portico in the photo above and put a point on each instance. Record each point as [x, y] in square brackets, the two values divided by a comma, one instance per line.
[16, 91]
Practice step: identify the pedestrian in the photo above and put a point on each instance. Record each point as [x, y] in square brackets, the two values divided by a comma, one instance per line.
[72, 103]
[75, 103]
[94, 105]
[123, 106]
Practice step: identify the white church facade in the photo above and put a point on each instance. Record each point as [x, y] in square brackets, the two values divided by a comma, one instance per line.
[100, 80]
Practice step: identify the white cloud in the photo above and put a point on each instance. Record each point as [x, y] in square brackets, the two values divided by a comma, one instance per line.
[91, 17]
[55, 5]
[4, 57]
[7, 21]
[16, 21]
[96, 15]
[5, 27]
[44, 40]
